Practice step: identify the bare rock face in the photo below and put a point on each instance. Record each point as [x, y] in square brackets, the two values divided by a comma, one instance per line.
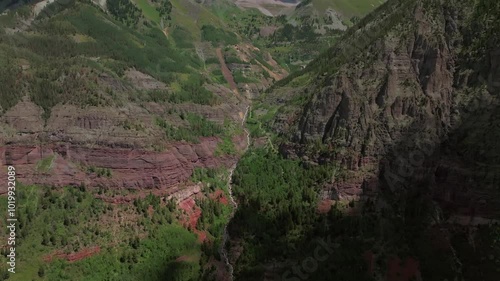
[144, 81]
[335, 20]
[112, 147]
[128, 168]
[407, 86]
[185, 193]
[25, 117]
[411, 85]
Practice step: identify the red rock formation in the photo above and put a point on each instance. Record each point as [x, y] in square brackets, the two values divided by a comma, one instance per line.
[399, 271]
[219, 195]
[130, 168]
[80, 255]
[193, 213]
[324, 206]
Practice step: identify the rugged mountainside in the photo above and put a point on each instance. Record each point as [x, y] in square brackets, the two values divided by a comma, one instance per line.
[82, 84]
[395, 127]
[407, 102]
[121, 119]
[392, 83]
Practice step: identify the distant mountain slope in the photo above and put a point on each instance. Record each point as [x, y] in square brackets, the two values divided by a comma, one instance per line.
[296, 32]
[75, 53]
[5, 4]
[343, 10]
[323, 12]
[347, 8]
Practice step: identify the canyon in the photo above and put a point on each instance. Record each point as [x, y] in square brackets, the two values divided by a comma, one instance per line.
[390, 138]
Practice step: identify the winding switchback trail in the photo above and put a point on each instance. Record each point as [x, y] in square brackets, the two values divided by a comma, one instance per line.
[223, 251]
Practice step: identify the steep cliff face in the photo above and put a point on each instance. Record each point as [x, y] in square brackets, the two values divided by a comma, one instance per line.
[128, 168]
[110, 147]
[406, 75]
[407, 103]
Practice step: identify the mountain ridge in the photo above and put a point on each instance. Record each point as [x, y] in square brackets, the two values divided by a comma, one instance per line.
[405, 102]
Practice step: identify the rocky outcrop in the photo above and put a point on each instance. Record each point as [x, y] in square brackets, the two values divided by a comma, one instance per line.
[144, 81]
[413, 83]
[112, 147]
[403, 84]
[406, 103]
[65, 164]
[187, 192]
[410, 82]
